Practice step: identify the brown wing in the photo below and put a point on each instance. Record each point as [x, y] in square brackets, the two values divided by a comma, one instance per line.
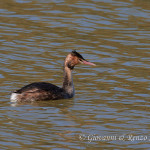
[40, 91]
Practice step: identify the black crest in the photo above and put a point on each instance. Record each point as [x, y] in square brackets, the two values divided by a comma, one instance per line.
[74, 53]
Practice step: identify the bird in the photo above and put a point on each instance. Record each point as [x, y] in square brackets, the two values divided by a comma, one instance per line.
[43, 91]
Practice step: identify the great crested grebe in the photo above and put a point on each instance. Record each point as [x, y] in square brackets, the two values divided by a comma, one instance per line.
[40, 91]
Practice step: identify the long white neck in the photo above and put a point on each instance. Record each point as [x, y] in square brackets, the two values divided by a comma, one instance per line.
[68, 86]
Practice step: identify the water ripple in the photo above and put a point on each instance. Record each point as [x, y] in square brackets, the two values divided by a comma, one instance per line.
[112, 98]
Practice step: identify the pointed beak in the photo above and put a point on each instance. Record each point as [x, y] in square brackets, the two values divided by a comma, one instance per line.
[88, 63]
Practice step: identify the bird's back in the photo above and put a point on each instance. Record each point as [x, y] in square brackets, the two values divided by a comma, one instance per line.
[39, 91]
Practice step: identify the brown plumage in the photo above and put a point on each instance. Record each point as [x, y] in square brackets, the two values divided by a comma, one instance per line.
[46, 91]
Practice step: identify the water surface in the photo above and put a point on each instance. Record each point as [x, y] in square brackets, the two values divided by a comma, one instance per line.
[111, 105]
